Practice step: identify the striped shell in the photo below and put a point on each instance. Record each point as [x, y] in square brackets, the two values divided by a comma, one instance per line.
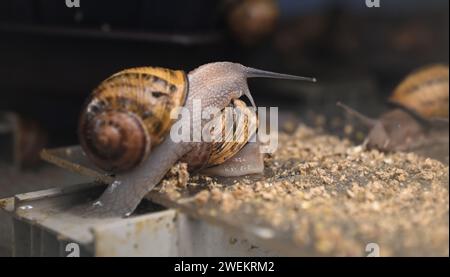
[237, 125]
[425, 92]
[128, 114]
[236, 132]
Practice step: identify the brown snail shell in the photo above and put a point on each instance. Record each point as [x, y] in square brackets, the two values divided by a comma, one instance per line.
[236, 130]
[234, 139]
[425, 92]
[128, 114]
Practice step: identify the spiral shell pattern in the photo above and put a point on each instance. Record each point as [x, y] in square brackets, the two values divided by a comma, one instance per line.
[128, 114]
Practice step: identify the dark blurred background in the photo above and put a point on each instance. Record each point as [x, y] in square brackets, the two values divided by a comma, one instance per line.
[52, 56]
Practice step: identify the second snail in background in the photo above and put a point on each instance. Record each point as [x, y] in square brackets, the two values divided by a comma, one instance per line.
[421, 104]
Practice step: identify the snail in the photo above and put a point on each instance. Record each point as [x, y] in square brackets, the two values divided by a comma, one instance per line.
[124, 125]
[420, 104]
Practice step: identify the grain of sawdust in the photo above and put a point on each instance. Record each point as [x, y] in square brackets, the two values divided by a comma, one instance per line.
[176, 179]
[334, 198]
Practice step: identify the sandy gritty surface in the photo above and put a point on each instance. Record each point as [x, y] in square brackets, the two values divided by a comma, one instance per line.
[321, 195]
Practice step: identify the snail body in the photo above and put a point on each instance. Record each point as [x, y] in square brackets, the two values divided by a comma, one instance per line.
[420, 108]
[144, 141]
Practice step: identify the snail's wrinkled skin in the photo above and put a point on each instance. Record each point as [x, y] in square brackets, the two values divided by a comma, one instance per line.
[215, 84]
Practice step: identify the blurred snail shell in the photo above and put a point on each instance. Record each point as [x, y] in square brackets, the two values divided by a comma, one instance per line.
[129, 113]
[250, 21]
[424, 92]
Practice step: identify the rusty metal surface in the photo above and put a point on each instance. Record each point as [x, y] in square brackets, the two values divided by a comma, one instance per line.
[44, 225]
[73, 159]
[150, 235]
